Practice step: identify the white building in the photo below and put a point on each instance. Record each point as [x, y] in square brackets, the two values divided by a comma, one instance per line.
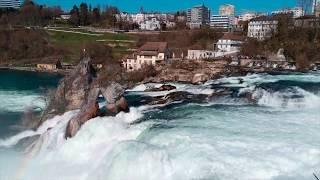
[151, 24]
[10, 4]
[208, 54]
[200, 54]
[227, 10]
[247, 16]
[65, 16]
[262, 28]
[296, 12]
[137, 18]
[151, 53]
[221, 22]
[229, 43]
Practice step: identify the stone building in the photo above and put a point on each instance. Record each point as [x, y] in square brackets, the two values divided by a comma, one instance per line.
[151, 53]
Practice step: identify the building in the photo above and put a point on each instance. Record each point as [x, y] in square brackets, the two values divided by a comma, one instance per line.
[198, 16]
[229, 43]
[227, 10]
[262, 28]
[151, 24]
[50, 64]
[181, 18]
[10, 4]
[151, 53]
[65, 16]
[308, 6]
[307, 22]
[200, 54]
[247, 16]
[295, 12]
[317, 12]
[137, 18]
[178, 54]
[221, 22]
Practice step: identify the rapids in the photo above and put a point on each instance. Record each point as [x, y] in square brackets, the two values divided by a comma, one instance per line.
[276, 137]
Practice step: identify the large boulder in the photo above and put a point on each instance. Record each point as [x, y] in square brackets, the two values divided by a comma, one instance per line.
[73, 90]
[86, 113]
[115, 102]
[200, 78]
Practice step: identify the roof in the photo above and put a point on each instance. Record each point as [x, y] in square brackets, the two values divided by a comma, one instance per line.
[265, 18]
[233, 36]
[306, 17]
[148, 53]
[50, 60]
[159, 47]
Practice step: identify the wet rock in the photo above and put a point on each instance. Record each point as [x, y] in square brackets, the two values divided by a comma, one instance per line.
[86, 113]
[165, 87]
[80, 90]
[200, 78]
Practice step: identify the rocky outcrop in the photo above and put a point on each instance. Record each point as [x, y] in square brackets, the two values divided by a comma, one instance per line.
[80, 90]
[189, 72]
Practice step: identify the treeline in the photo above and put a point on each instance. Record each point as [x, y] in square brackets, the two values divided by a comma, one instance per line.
[30, 14]
[300, 44]
[23, 44]
[85, 15]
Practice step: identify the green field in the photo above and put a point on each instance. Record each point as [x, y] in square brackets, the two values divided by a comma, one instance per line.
[71, 43]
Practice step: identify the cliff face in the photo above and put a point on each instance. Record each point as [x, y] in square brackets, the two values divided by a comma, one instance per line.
[80, 90]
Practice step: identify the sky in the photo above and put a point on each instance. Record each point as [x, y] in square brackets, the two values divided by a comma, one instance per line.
[174, 5]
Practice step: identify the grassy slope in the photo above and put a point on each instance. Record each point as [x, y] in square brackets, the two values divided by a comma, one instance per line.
[72, 43]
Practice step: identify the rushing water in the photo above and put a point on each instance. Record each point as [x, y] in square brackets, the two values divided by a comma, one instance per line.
[20, 90]
[276, 136]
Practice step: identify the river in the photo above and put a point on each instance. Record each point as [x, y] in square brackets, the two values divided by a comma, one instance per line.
[275, 137]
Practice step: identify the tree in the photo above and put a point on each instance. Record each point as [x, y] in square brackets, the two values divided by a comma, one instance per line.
[110, 15]
[96, 15]
[30, 13]
[83, 14]
[75, 19]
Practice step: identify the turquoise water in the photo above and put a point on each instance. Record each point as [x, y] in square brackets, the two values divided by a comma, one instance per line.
[275, 136]
[18, 90]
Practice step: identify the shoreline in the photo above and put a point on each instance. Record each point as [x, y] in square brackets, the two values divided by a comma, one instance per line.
[33, 69]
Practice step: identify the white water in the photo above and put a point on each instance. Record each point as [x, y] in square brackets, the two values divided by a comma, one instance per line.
[276, 139]
[18, 101]
[194, 89]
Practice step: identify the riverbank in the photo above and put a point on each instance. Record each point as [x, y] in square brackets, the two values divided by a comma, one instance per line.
[34, 69]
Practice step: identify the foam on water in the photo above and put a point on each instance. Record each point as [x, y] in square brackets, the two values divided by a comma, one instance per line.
[18, 101]
[278, 138]
[42, 129]
[193, 89]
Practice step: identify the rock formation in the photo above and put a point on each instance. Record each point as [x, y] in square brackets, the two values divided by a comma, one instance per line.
[189, 72]
[165, 87]
[80, 90]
